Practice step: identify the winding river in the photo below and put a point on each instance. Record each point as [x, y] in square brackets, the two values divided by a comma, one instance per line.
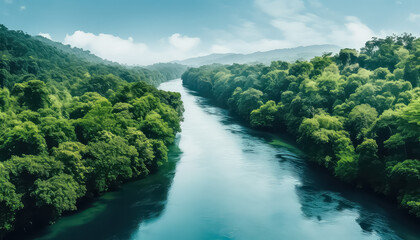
[226, 181]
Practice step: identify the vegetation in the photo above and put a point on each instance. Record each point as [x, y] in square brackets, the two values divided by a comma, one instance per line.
[356, 113]
[72, 129]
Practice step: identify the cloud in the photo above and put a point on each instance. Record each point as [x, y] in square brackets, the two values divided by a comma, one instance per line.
[8, 1]
[414, 17]
[127, 51]
[108, 46]
[289, 24]
[45, 35]
[183, 43]
[22, 8]
[285, 24]
[299, 26]
[353, 34]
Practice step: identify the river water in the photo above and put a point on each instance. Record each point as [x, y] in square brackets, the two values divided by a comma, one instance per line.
[225, 181]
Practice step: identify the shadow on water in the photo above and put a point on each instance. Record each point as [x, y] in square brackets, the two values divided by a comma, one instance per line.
[321, 195]
[116, 215]
[322, 199]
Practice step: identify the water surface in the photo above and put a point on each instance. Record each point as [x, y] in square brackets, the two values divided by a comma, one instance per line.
[225, 181]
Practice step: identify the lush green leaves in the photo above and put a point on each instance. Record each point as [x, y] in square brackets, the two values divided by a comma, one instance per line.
[71, 128]
[368, 100]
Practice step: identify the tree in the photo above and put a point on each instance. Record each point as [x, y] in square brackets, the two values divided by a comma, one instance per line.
[142, 106]
[72, 155]
[58, 193]
[4, 76]
[320, 63]
[24, 138]
[33, 94]
[56, 131]
[101, 83]
[406, 175]
[347, 56]
[156, 128]
[160, 151]
[300, 69]
[360, 119]
[10, 202]
[371, 169]
[145, 149]
[110, 158]
[265, 116]
[248, 101]
[4, 99]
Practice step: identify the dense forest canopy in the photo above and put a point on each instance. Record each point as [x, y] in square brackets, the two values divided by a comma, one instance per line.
[356, 113]
[72, 129]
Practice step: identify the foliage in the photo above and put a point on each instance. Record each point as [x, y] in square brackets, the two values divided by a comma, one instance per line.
[356, 113]
[74, 126]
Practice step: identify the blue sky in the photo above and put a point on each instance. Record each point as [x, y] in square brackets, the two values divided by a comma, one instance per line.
[148, 31]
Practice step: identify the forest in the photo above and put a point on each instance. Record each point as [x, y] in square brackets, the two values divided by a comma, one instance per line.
[356, 113]
[72, 128]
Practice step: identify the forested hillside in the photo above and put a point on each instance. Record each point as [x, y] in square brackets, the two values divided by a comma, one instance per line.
[71, 129]
[356, 113]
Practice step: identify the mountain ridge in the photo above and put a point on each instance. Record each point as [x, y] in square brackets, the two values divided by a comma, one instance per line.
[265, 57]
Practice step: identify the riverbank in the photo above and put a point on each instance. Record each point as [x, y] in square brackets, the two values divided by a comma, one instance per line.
[228, 182]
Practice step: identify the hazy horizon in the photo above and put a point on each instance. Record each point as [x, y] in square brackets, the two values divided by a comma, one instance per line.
[147, 32]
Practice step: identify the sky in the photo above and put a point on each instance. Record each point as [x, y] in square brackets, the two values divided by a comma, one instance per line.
[142, 32]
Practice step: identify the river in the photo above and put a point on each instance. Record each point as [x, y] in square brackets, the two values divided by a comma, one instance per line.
[226, 181]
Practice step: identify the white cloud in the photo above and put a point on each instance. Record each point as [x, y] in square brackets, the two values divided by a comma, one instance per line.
[108, 46]
[414, 17]
[301, 27]
[45, 35]
[127, 51]
[22, 8]
[290, 24]
[183, 43]
[287, 24]
[353, 34]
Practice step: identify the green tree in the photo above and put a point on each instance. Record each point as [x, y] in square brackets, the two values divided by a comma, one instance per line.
[59, 193]
[24, 138]
[72, 154]
[265, 116]
[34, 94]
[10, 202]
[110, 158]
[360, 119]
[56, 131]
[156, 128]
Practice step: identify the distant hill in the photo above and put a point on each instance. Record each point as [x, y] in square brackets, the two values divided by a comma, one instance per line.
[168, 70]
[78, 52]
[289, 55]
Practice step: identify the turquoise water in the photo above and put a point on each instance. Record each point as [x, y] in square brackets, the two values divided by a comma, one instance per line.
[225, 181]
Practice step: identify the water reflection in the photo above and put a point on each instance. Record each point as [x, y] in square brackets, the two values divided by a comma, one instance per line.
[232, 184]
[322, 197]
[117, 214]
